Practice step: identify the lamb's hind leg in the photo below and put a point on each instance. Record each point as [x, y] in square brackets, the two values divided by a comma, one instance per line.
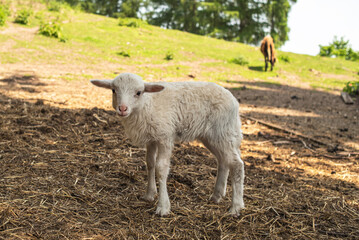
[151, 155]
[237, 176]
[222, 172]
[229, 159]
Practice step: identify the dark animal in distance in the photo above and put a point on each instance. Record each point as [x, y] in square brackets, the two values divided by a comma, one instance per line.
[267, 48]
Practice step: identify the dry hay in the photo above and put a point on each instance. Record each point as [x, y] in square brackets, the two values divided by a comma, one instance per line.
[70, 174]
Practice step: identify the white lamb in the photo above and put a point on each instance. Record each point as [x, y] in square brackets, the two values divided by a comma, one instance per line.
[158, 115]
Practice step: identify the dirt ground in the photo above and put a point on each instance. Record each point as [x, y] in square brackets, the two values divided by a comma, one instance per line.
[68, 172]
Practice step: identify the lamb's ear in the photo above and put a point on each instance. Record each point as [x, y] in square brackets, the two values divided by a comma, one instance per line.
[153, 87]
[102, 83]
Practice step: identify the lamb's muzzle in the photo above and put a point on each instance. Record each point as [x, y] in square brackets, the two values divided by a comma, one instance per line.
[123, 110]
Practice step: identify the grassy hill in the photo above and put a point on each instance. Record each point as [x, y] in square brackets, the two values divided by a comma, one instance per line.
[97, 46]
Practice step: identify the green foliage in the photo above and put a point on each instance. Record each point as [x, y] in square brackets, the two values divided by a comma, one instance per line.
[52, 29]
[129, 8]
[4, 13]
[339, 48]
[277, 18]
[3, 17]
[284, 58]
[352, 88]
[169, 56]
[352, 55]
[54, 6]
[326, 51]
[124, 53]
[247, 21]
[240, 60]
[131, 22]
[23, 16]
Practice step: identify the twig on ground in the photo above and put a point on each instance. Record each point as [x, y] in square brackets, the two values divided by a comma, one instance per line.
[273, 126]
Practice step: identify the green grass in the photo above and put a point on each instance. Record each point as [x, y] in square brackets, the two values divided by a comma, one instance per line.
[93, 39]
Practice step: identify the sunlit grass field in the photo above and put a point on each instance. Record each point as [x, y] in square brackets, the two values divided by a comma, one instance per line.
[93, 39]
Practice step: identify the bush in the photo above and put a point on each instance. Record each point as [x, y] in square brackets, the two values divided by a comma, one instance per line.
[3, 17]
[54, 6]
[352, 88]
[352, 55]
[4, 13]
[23, 16]
[339, 48]
[124, 53]
[40, 15]
[240, 60]
[284, 58]
[131, 22]
[52, 30]
[169, 56]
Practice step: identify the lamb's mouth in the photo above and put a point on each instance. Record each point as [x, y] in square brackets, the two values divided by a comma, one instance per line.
[123, 114]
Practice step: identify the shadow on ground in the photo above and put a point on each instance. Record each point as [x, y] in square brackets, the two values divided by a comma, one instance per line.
[28, 83]
[256, 68]
[319, 114]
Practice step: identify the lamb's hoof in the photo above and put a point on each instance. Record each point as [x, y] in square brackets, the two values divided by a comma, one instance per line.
[162, 211]
[148, 198]
[236, 210]
[215, 198]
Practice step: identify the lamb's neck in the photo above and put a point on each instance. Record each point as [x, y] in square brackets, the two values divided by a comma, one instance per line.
[137, 128]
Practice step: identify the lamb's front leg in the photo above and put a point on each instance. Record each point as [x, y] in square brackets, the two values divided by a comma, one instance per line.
[151, 155]
[162, 169]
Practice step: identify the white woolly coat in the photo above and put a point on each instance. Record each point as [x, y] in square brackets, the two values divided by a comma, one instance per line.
[185, 111]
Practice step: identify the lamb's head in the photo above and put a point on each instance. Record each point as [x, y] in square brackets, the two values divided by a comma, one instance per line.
[127, 92]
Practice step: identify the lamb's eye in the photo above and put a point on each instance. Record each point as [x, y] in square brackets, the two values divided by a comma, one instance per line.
[113, 90]
[138, 93]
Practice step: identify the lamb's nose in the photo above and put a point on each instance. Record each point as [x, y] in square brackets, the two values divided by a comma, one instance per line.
[123, 108]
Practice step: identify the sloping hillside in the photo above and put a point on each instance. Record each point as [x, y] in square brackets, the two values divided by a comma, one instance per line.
[95, 47]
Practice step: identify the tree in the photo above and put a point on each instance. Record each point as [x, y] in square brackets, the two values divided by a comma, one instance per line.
[218, 20]
[277, 15]
[245, 21]
[339, 48]
[174, 14]
[130, 8]
[110, 8]
[258, 18]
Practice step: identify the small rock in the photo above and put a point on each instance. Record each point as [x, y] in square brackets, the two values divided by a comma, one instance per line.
[260, 134]
[270, 157]
[333, 149]
[39, 102]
